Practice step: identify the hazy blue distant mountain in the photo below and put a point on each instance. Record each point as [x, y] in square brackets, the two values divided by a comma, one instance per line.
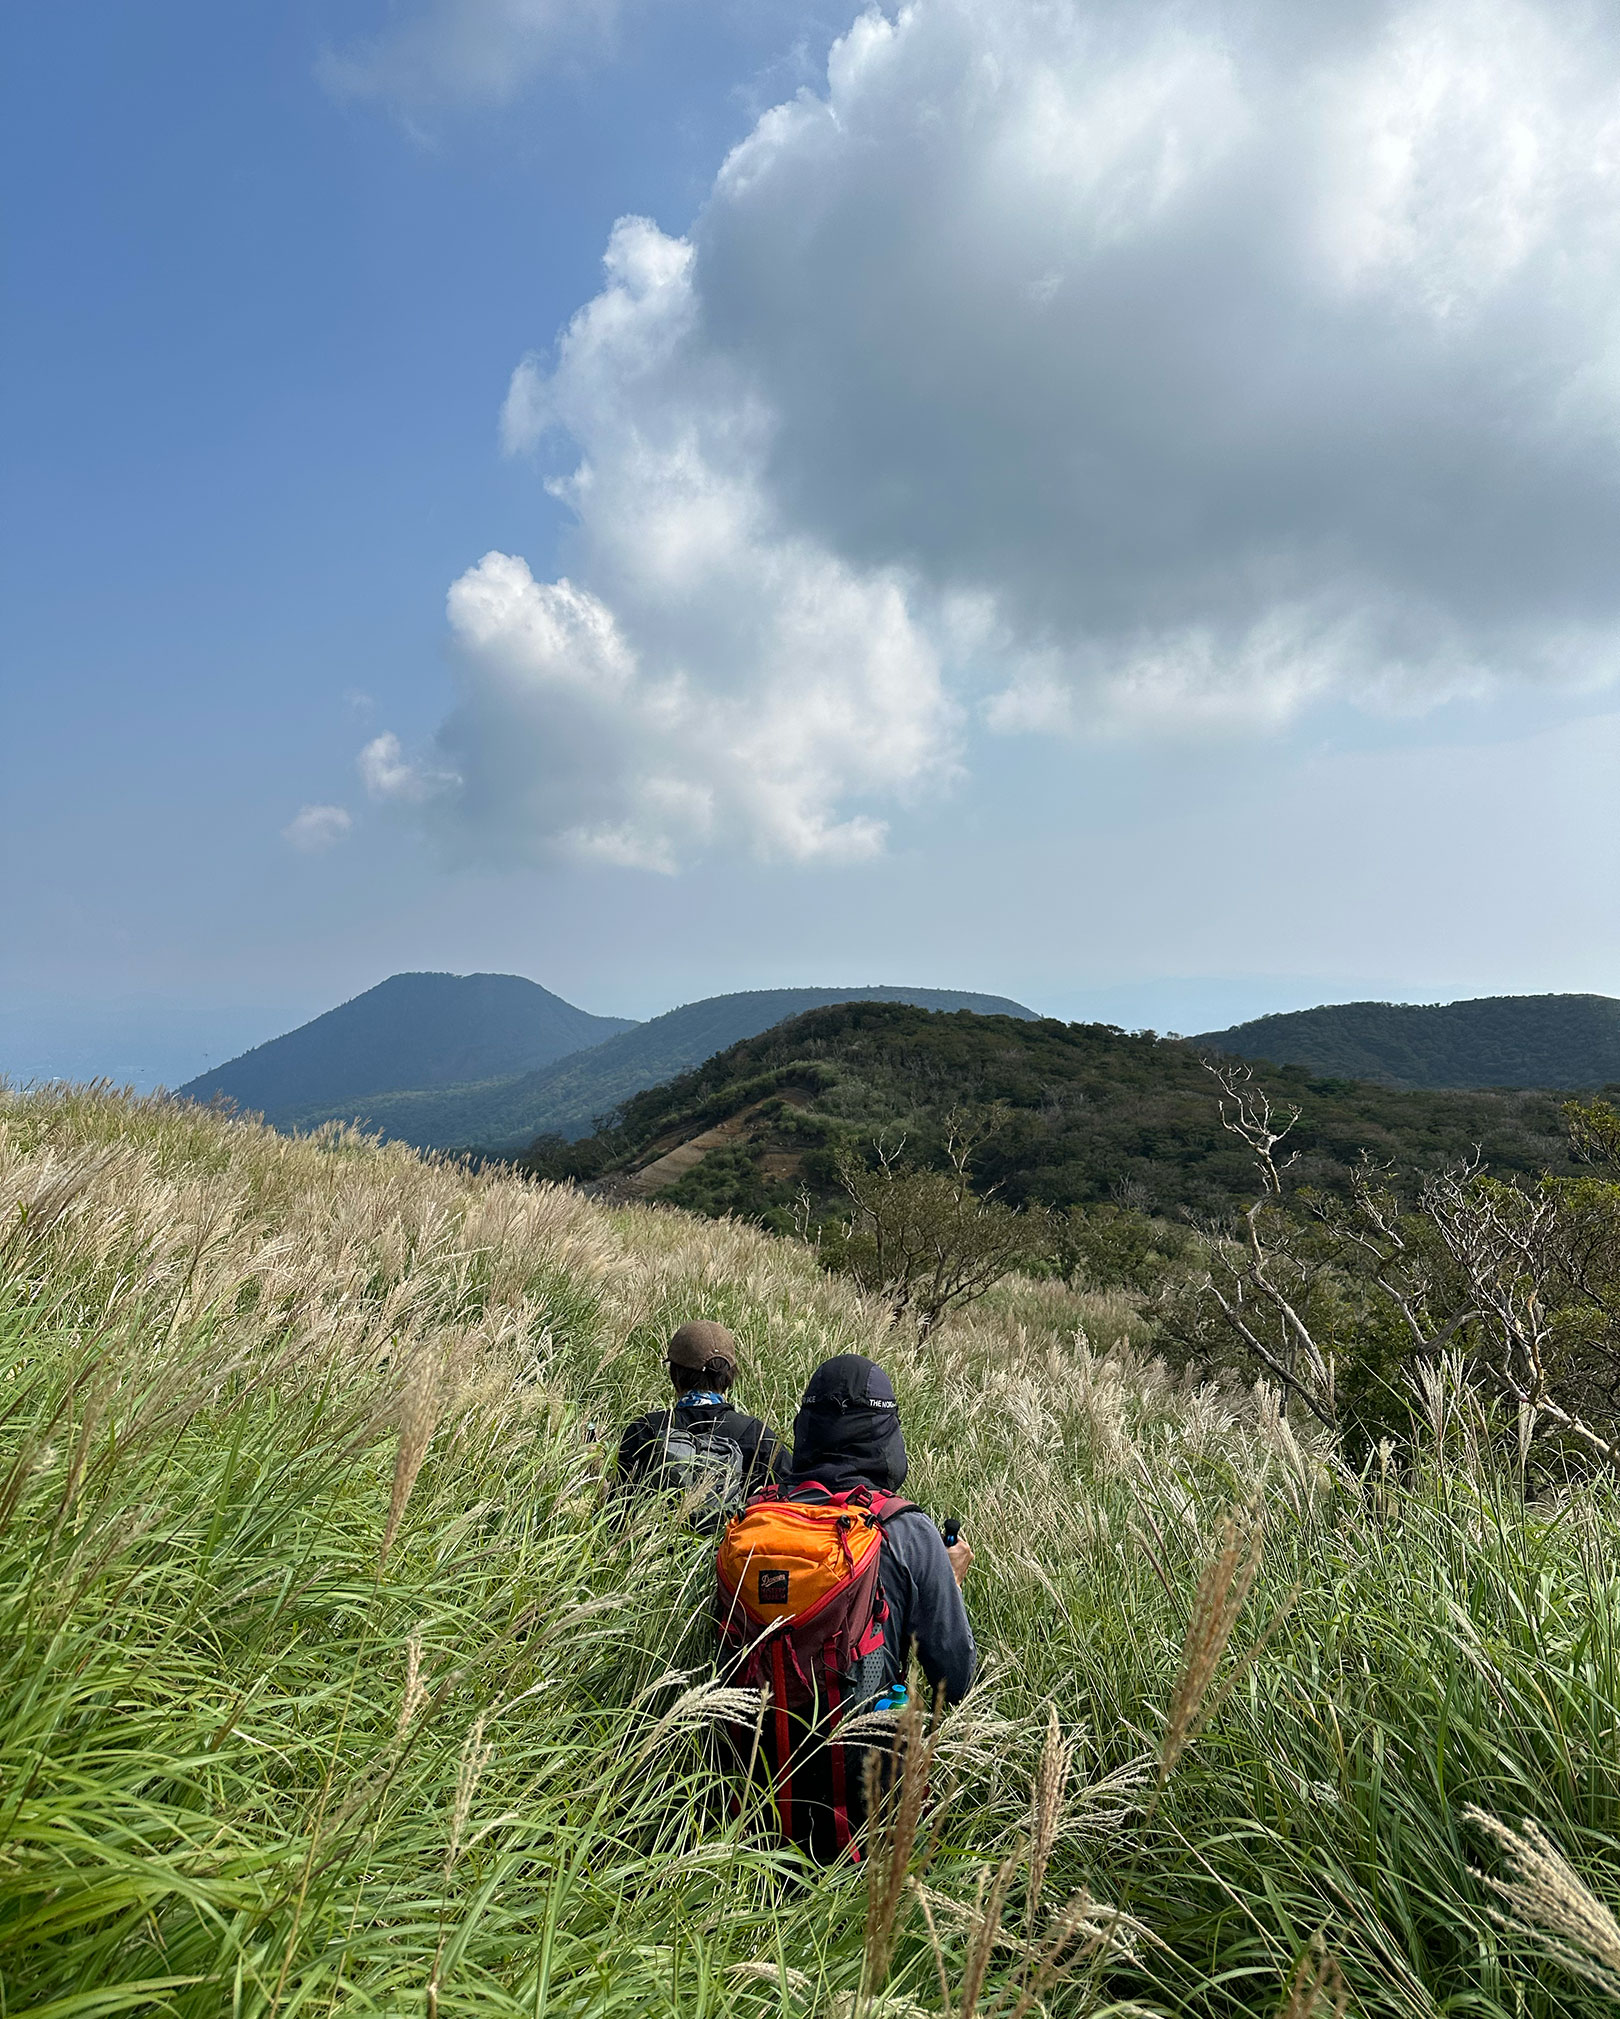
[566, 1098]
[413, 1030]
[1570, 1041]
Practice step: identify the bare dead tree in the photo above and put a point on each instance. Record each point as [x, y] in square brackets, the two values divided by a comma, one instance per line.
[1402, 1267]
[1476, 1265]
[1504, 1243]
[1258, 1281]
[1491, 1275]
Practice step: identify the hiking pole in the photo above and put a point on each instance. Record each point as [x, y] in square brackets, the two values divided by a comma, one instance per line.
[951, 1529]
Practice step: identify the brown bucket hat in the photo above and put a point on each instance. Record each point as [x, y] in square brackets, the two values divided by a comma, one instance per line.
[698, 1342]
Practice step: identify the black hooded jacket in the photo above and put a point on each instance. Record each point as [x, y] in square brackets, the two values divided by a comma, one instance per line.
[847, 1434]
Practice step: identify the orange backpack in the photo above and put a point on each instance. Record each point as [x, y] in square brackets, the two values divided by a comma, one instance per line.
[800, 1614]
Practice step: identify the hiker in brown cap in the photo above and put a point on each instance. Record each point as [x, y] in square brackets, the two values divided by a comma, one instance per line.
[712, 1454]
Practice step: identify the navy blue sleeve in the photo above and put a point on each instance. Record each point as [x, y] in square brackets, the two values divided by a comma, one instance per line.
[925, 1605]
[638, 1442]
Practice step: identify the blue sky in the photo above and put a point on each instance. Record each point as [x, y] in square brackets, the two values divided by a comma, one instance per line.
[997, 536]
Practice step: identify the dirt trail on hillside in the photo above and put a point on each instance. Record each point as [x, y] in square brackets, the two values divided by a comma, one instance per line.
[675, 1163]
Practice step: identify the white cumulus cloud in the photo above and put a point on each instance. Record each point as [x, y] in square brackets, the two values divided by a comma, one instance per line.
[814, 688]
[1232, 354]
[711, 678]
[390, 777]
[1065, 365]
[314, 829]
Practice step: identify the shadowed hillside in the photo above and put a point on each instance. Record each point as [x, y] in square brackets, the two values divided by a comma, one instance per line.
[570, 1097]
[413, 1030]
[1568, 1041]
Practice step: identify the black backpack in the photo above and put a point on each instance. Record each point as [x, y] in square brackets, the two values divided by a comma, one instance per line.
[707, 1469]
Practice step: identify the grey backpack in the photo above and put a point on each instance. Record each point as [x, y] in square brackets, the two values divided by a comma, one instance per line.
[707, 1469]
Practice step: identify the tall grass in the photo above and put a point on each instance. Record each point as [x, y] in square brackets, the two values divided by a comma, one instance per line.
[331, 1681]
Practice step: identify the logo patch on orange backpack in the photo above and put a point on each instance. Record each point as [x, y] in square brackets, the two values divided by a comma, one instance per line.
[782, 1559]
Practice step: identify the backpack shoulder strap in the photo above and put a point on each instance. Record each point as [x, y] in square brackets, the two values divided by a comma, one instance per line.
[641, 1442]
[881, 1506]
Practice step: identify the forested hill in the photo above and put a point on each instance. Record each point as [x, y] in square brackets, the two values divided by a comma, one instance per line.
[568, 1096]
[412, 1030]
[1083, 1112]
[1494, 1041]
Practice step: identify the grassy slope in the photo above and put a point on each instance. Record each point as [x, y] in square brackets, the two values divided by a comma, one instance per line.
[1495, 1041]
[1087, 1109]
[246, 1766]
[569, 1096]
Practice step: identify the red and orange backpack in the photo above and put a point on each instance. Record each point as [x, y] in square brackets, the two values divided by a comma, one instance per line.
[800, 1614]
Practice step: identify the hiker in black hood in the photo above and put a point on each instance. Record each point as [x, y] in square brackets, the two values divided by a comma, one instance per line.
[847, 1434]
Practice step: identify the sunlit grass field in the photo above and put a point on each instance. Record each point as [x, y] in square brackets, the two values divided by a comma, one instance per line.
[332, 1681]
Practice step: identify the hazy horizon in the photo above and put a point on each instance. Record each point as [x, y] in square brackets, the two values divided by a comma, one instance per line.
[155, 1044]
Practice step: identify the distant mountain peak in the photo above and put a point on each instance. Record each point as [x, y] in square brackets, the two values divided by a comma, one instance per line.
[410, 1030]
[566, 1094]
